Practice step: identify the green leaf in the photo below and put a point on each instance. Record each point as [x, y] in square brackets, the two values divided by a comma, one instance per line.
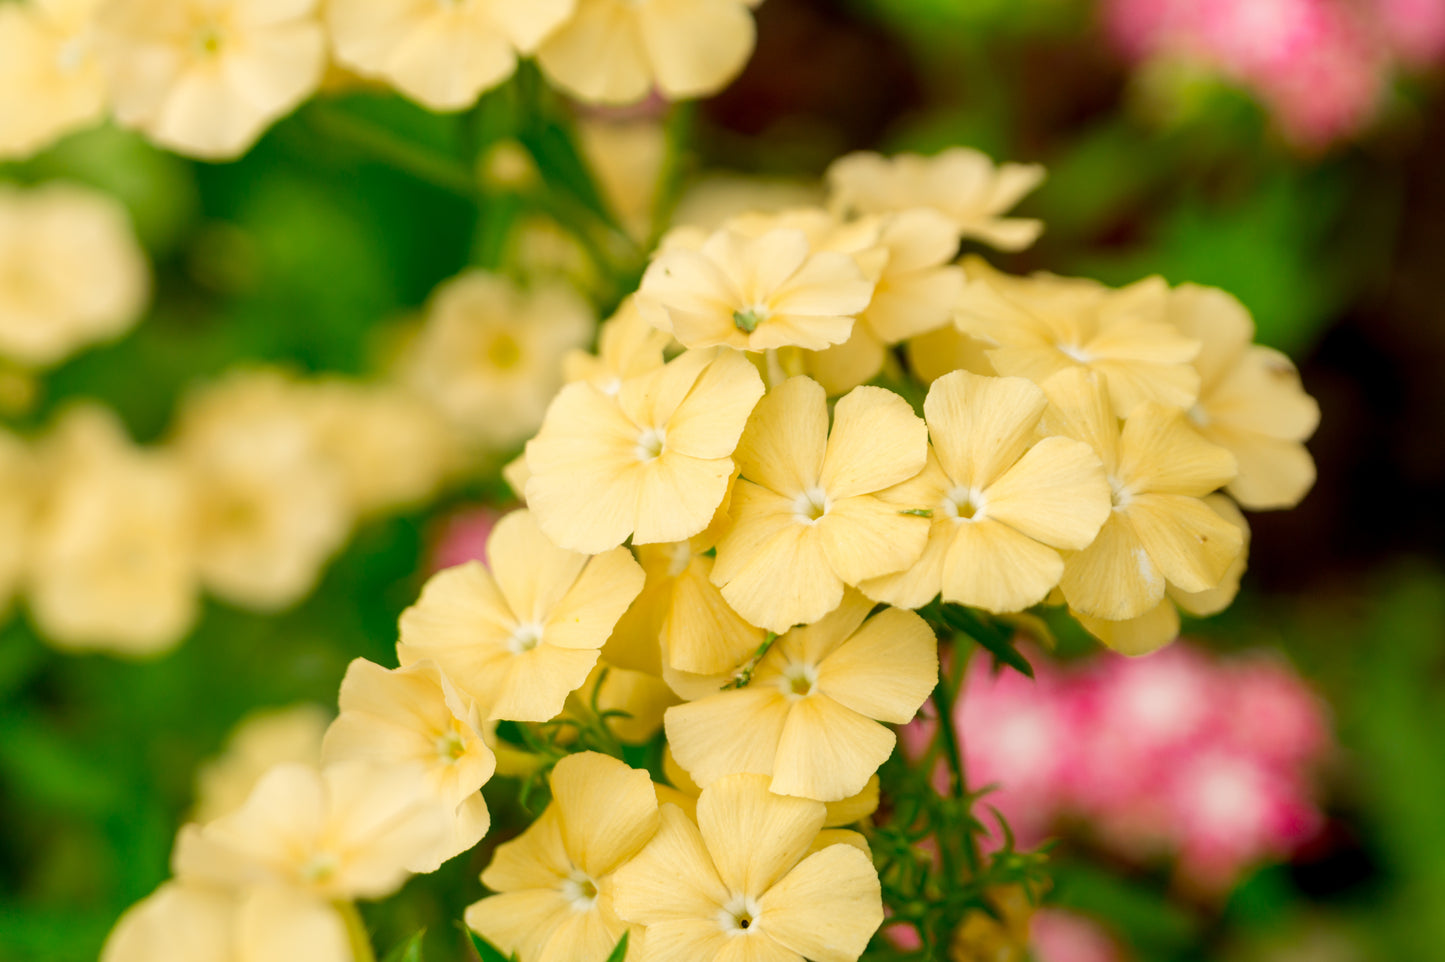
[408, 951]
[620, 952]
[486, 951]
[996, 638]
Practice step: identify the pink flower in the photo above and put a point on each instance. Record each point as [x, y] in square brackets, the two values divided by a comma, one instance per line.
[1413, 29]
[1060, 936]
[462, 537]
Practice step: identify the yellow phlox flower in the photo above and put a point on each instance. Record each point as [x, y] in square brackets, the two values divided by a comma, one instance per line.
[442, 55]
[523, 631]
[1159, 625]
[755, 293]
[50, 73]
[618, 51]
[807, 518]
[348, 831]
[554, 882]
[1043, 324]
[938, 352]
[1160, 529]
[744, 883]
[1005, 500]
[718, 197]
[113, 563]
[962, 184]
[627, 159]
[652, 461]
[71, 272]
[640, 696]
[414, 716]
[490, 352]
[811, 716]
[192, 922]
[258, 743]
[848, 811]
[627, 347]
[1250, 400]
[207, 77]
[271, 508]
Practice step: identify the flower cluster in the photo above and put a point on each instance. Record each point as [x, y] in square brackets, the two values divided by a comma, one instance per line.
[207, 77]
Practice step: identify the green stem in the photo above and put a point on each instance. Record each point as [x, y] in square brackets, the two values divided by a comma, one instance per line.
[361, 950]
[438, 170]
[944, 698]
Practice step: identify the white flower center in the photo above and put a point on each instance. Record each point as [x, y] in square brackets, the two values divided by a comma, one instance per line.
[1119, 493]
[1076, 352]
[451, 746]
[525, 638]
[679, 556]
[1199, 417]
[963, 504]
[72, 54]
[319, 868]
[739, 916]
[650, 444]
[798, 681]
[611, 387]
[811, 505]
[209, 38]
[580, 891]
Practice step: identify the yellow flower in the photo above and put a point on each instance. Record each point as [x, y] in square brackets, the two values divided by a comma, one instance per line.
[190, 922]
[1250, 400]
[112, 563]
[348, 831]
[641, 696]
[742, 883]
[49, 71]
[685, 793]
[414, 716]
[1043, 324]
[754, 293]
[71, 272]
[271, 508]
[442, 55]
[616, 51]
[810, 717]
[806, 516]
[522, 632]
[627, 347]
[652, 461]
[627, 160]
[554, 882]
[962, 184]
[1004, 499]
[260, 742]
[206, 77]
[718, 197]
[1160, 529]
[490, 353]
[932, 355]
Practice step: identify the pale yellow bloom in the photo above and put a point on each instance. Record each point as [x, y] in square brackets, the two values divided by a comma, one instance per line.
[414, 716]
[271, 507]
[810, 717]
[932, 355]
[71, 272]
[718, 197]
[652, 461]
[49, 71]
[744, 883]
[490, 354]
[807, 518]
[627, 159]
[755, 293]
[522, 632]
[1043, 324]
[112, 563]
[554, 882]
[1160, 529]
[1250, 400]
[207, 77]
[258, 743]
[960, 183]
[617, 51]
[348, 831]
[627, 346]
[442, 55]
[1005, 500]
[191, 922]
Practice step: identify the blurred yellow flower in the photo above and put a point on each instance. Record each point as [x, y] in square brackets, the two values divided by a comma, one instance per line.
[852, 809]
[207, 77]
[1004, 499]
[522, 632]
[554, 882]
[627, 159]
[50, 72]
[415, 716]
[652, 461]
[258, 743]
[617, 51]
[807, 518]
[741, 882]
[442, 55]
[71, 272]
[962, 184]
[810, 717]
[1250, 400]
[627, 346]
[932, 355]
[489, 355]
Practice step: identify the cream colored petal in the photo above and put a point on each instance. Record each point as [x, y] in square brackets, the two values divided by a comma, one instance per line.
[1114, 578]
[458, 606]
[1272, 473]
[536, 859]
[936, 353]
[179, 922]
[686, 284]
[876, 442]
[381, 820]
[527, 24]
[884, 671]
[599, 55]
[532, 572]
[732, 731]
[1159, 452]
[1056, 493]
[608, 810]
[678, 496]
[810, 644]
[1132, 383]
[828, 907]
[754, 836]
[672, 879]
[867, 537]
[446, 65]
[993, 567]
[519, 922]
[702, 632]
[284, 813]
[1202, 604]
[1262, 394]
[828, 752]
[980, 426]
[786, 437]
[696, 46]
[829, 284]
[592, 605]
[1190, 544]
[1143, 635]
[686, 940]
[1079, 408]
[921, 582]
[914, 304]
[709, 422]
[781, 574]
[854, 808]
[843, 367]
[275, 924]
[757, 265]
[584, 937]
[538, 681]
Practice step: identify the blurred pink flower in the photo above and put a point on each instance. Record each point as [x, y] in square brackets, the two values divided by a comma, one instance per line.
[1060, 936]
[462, 537]
[1414, 29]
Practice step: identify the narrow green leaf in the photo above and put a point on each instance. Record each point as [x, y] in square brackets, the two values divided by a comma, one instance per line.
[486, 951]
[408, 951]
[996, 638]
[620, 952]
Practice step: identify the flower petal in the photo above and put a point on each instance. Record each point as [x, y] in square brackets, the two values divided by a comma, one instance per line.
[866, 537]
[783, 447]
[1114, 578]
[672, 879]
[732, 731]
[828, 907]
[980, 426]
[877, 441]
[886, 670]
[1191, 545]
[608, 810]
[1056, 493]
[1159, 452]
[754, 836]
[993, 567]
[828, 752]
